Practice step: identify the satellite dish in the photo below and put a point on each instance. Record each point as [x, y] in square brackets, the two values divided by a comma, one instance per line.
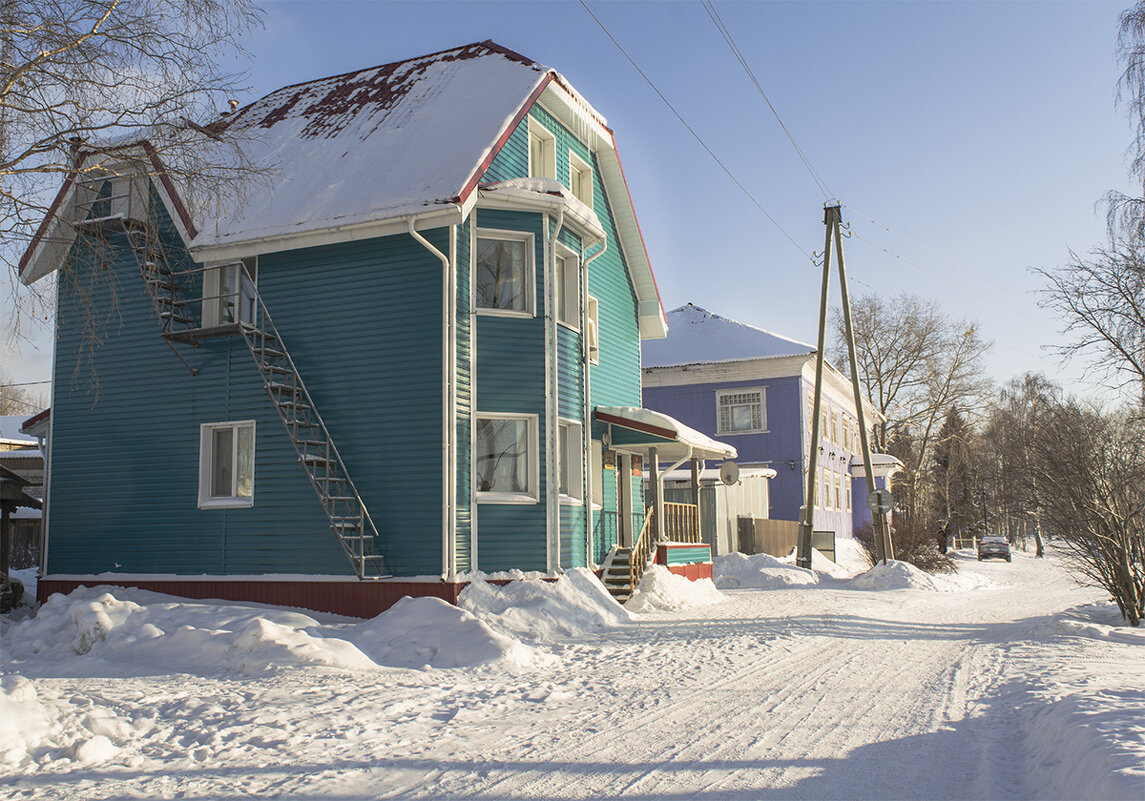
[729, 472]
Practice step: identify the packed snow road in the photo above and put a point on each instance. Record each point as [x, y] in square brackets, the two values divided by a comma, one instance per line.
[994, 685]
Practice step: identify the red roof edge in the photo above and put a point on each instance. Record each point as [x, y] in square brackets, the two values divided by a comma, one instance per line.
[624, 178]
[480, 169]
[165, 179]
[34, 419]
[647, 428]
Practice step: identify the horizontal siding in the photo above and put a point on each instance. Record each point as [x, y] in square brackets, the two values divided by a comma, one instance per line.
[125, 475]
[573, 549]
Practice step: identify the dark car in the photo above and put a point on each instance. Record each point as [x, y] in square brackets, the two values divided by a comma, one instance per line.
[993, 548]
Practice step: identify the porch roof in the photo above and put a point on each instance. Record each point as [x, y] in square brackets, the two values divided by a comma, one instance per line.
[671, 438]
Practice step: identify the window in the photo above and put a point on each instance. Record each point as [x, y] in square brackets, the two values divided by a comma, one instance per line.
[226, 464]
[542, 151]
[825, 485]
[741, 411]
[228, 293]
[822, 420]
[567, 301]
[571, 444]
[505, 461]
[593, 330]
[834, 426]
[847, 485]
[580, 179]
[503, 273]
[838, 491]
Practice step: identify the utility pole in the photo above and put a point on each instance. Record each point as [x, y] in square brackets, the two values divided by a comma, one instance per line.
[832, 220]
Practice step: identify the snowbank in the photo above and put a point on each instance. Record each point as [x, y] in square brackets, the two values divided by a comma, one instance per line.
[133, 637]
[759, 571]
[1087, 743]
[893, 575]
[661, 589]
[574, 605]
[430, 632]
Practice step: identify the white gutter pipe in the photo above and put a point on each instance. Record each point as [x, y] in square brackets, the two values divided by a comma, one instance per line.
[553, 427]
[448, 403]
[587, 390]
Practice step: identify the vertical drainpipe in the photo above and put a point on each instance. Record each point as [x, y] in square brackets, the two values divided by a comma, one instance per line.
[448, 398]
[552, 428]
[586, 365]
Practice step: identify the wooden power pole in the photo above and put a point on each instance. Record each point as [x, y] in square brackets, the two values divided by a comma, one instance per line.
[832, 219]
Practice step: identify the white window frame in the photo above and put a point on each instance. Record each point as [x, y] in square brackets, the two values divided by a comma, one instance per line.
[723, 393]
[548, 142]
[530, 271]
[242, 298]
[234, 500]
[570, 440]
[532, 493]
[583, 167]
[834, 427]
[592, 315]
[567, 283]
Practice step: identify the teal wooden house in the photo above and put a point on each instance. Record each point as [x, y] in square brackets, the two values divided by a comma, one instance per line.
[411, 352]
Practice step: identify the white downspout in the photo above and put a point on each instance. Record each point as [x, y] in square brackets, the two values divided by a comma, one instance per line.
[587, 391]
[448, 402]
[554, 450]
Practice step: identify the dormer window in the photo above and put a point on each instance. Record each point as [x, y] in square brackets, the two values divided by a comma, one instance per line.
[580, 179]
[102, 196]
[542, 151]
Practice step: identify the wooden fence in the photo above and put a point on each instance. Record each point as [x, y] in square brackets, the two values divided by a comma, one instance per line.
[775, 537]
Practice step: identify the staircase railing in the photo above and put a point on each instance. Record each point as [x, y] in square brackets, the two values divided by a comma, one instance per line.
[643, 550]
[349, 518]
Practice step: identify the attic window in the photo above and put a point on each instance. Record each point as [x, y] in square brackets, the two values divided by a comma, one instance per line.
[542, 151]
[580, 179]
[100, 196]
[741, 411]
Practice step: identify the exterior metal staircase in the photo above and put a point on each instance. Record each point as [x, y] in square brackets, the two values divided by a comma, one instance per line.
[175, 306]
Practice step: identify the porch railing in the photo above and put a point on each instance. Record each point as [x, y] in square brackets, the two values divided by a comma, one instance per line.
[681, 522]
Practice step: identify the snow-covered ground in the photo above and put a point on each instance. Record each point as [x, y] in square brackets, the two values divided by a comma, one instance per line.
[1004, 681]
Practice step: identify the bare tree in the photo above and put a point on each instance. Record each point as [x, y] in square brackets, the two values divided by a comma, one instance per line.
[1090, 469]
[91, 87]
[1126, 213]
[1102, 301]
[915, 363]
[18, 400]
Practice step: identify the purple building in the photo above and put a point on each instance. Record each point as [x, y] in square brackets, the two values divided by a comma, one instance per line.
[754, 389]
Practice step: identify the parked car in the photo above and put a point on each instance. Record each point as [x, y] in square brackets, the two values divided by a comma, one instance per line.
[993, 548]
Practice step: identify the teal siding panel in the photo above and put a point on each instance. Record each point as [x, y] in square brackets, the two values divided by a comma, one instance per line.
[511, 537]
[363, 323]
[125, 460]
[510, 377]
[688, 556]
[570, 396]
[573, 552]
[464, 404]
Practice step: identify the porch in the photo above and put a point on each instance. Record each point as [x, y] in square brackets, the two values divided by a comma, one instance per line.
[659, 444]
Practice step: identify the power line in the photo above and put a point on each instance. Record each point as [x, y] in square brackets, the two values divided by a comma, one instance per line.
[27, 383]
[925, 249]
[697, 137]
[723, 29]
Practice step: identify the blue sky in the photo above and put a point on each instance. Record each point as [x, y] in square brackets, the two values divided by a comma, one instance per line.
[981, 132]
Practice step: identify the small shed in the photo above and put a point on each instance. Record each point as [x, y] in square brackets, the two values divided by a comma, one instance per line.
[722, 505]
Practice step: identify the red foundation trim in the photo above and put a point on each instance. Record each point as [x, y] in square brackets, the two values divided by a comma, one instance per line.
[363, 599]
[695, 572]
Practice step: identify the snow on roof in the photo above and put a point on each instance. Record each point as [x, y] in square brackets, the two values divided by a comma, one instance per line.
[10, 433]
[696, 336]
[661, 425]
[551, 190]
[711, 475]
[882, 464]
[380, 142]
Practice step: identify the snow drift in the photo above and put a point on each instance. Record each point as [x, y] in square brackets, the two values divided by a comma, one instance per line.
[661, 589]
